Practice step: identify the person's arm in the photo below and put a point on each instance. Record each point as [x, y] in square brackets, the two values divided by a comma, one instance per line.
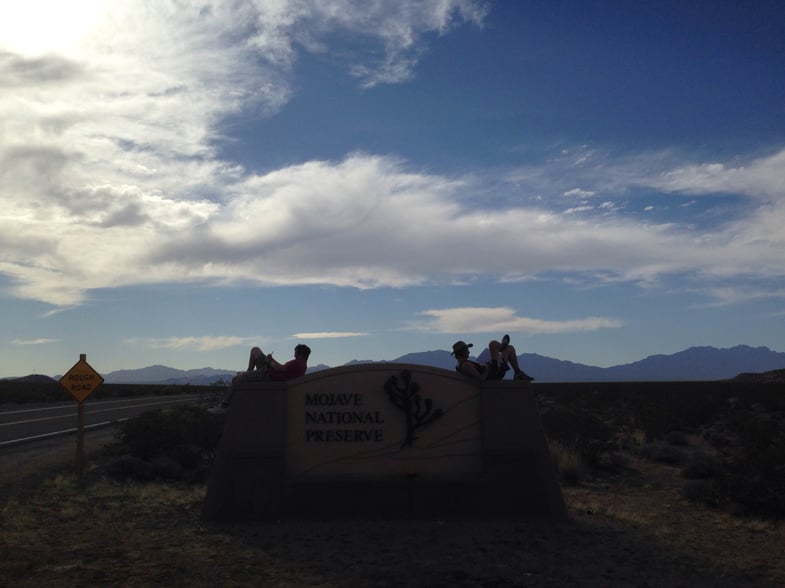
[273, 364]
[469, 369]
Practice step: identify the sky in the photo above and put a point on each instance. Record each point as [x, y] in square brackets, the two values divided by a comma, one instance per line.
[180, 180]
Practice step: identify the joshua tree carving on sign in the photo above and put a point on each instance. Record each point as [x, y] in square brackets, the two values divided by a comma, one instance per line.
[419, 412]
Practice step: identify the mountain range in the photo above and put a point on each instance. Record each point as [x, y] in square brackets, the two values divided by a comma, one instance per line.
[695, 363]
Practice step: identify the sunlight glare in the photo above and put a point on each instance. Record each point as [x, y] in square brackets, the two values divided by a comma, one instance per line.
[36, 27]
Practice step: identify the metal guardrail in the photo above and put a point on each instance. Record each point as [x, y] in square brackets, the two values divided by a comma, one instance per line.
[21, 441]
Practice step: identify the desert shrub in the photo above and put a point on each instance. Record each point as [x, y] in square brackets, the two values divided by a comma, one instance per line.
[127, 466]
[653, 419]
[567, 461]
[753, 475]
[178, 443]
[702, 491]
[675, 407]
[613, 461]
[21, 392]
[662, 452]
[758, 485]
[676, 438]
[716, 438]
[585, 433]
[701, 466]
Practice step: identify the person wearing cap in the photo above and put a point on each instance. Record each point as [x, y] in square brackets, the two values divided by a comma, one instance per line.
[466, 366]
[263, 368]
[502, 357]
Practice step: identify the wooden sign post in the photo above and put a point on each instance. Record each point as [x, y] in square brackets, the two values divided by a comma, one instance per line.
[80, 381]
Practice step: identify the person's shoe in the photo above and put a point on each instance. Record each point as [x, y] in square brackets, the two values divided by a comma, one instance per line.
[524, 377]
[217, 409]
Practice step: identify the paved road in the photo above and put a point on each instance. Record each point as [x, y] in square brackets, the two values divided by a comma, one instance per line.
[23, 424]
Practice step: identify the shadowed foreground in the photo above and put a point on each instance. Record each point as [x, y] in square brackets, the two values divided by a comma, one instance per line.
[629, 525]
[92, 532]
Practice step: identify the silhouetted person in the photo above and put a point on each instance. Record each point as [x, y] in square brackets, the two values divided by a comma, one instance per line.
[502, 357]
[263, 368]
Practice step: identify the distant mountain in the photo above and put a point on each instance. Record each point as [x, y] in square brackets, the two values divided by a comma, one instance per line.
[160, 374]
[34, 379]
[440, 359]
[774, 376]
[700, 363]
[695, 363]
[317, 368]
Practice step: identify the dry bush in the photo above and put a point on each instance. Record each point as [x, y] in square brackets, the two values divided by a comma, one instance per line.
[567, 460]
[176, 443]
[662, 452]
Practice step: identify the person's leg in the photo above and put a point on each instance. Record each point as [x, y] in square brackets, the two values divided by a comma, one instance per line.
[495, 349]
[497, 365]
[509, 355]
[255, 359]
[227, 399]
[495, 371]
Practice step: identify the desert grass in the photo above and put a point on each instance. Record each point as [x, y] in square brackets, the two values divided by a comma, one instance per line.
[630, 525]
[630, 529]
[652, 504]
[567, 460]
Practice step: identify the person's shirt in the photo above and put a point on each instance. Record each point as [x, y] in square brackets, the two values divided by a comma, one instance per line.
[471, 369]
[292, 369]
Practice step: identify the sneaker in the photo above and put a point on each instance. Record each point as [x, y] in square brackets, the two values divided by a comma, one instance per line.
[217, 409]
[523, 376]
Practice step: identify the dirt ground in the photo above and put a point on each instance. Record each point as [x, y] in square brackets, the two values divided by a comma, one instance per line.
[630, 529]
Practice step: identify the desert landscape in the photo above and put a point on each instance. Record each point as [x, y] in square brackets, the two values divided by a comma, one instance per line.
[664, 487]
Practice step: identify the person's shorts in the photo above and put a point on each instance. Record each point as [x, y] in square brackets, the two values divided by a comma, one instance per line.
[496, 372]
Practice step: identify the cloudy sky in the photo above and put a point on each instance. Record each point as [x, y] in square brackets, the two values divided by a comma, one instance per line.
[180, 180]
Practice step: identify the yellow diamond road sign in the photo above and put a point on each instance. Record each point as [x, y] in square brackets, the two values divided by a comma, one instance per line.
[81, 380]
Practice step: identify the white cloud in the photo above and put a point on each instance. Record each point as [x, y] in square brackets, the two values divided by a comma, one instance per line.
[328, 335]
[203, 343]
[758, 177]
[110, 133]
[363, 222]
[578, 193]
[473, 320]
[109, 175]
[577, 209]
[762, 178]
[42, 341]
[733, 295]
[400, 25]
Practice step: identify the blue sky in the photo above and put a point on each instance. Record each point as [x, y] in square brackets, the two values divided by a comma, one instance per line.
[180, 180]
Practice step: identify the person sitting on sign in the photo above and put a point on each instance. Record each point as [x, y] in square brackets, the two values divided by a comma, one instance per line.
[502, 357]
[505, 356]
[263, 368]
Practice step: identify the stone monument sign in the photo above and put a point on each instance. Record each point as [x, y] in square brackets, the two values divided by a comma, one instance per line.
[382, 440]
